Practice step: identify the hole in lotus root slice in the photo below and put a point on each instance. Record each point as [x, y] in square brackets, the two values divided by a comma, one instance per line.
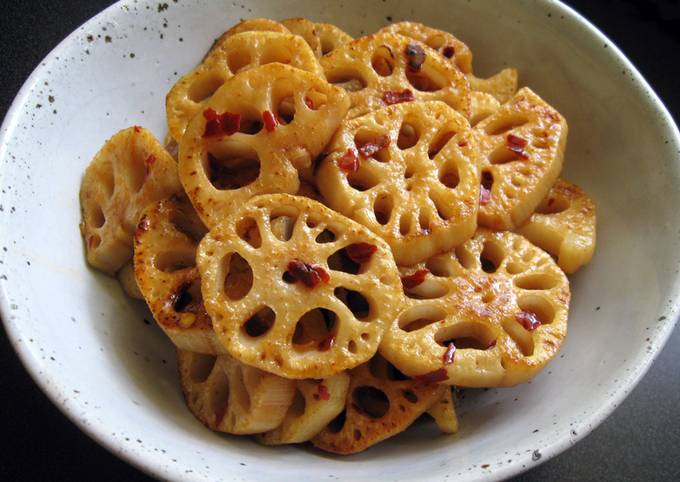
[130, 171]
[340, 261]
[430, 289]
[366, 139]
[553, 205]
[502, 124]
[382, 208]
[276, 53]
[370, 401]
[383, 61]
[248, 230]
[330, 37]
[238, 278]
[185, 221]
[520, 336]
[233, 168]
[448, 175]
[420, 316]
[535, 281]
[491, 257]
[362, 180]
[349, 79]
[315, 330]
[282, 226]
[537, 305]
[260, 323]
[448, 46]
[204, 86]
[283, 102]
[466, 336]
[175, 260]
[337, 423]
[393, 69]
[201, 367]
[314, 99]
[238, 60]
[514, 267]
[357, 303]
[326, 236]
[408, 136]
[440, 140]
[523, 173]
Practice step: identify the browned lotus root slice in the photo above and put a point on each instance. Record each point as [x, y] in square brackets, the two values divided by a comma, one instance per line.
[230, 397]
[130, 171]
[126, 278]
[444, 413]
[388, 68]
[220, 173]
[564, 225]
[323, 287]
[493, 312]
[420, 191]
[323, 38]
[235, 53]
[380, 403]
[315, 405]
[443, 42]
[521, 152]
[502, 86]
[166, 273]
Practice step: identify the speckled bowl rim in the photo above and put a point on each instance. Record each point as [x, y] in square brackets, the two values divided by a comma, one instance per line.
[102, 436]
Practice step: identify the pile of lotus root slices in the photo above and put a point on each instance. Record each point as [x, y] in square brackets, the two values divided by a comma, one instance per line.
[338, 231]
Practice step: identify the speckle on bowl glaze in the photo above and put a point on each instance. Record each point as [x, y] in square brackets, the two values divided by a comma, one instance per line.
[101, 360]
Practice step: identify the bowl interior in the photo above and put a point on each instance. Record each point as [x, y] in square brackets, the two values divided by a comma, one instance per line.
[102, 359]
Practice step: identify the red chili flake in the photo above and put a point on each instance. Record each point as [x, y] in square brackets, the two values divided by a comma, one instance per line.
[528, 320]
[435, 376]
[220, 413]
[361, 252]
[327, 343]
[349, 162]
[309, 103]
[517, 145]
[269, 120]
[492, 344]
[322, 393]
[449, 354]
[413, 280]
[415, 56]
[484, 196]
[448, 51]
[371, 147]
[218, 125]
[137, 129]
[149, 162]
[310, 275]
[392, 97]
[143, 224]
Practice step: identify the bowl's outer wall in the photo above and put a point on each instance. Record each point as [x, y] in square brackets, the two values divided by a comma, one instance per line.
[113, 374]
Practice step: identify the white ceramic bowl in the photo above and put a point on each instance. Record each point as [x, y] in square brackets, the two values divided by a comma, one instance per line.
[89, 349]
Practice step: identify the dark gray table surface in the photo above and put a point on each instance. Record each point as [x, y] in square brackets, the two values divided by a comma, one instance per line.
[640, 441]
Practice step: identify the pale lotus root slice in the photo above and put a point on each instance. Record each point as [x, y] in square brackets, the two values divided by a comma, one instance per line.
[380, 403]
[420, 191]
[230, 397]
[493, 312]
[126, 278]
[323, 287]
[322, 38]
[564, 225]
[220, 173]
[315, 404]
[521, 152]
[166, 273]
[130, 171]
[503, 85]
[234, 54]
[384, 69]
[450, 47]
[443, 412]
